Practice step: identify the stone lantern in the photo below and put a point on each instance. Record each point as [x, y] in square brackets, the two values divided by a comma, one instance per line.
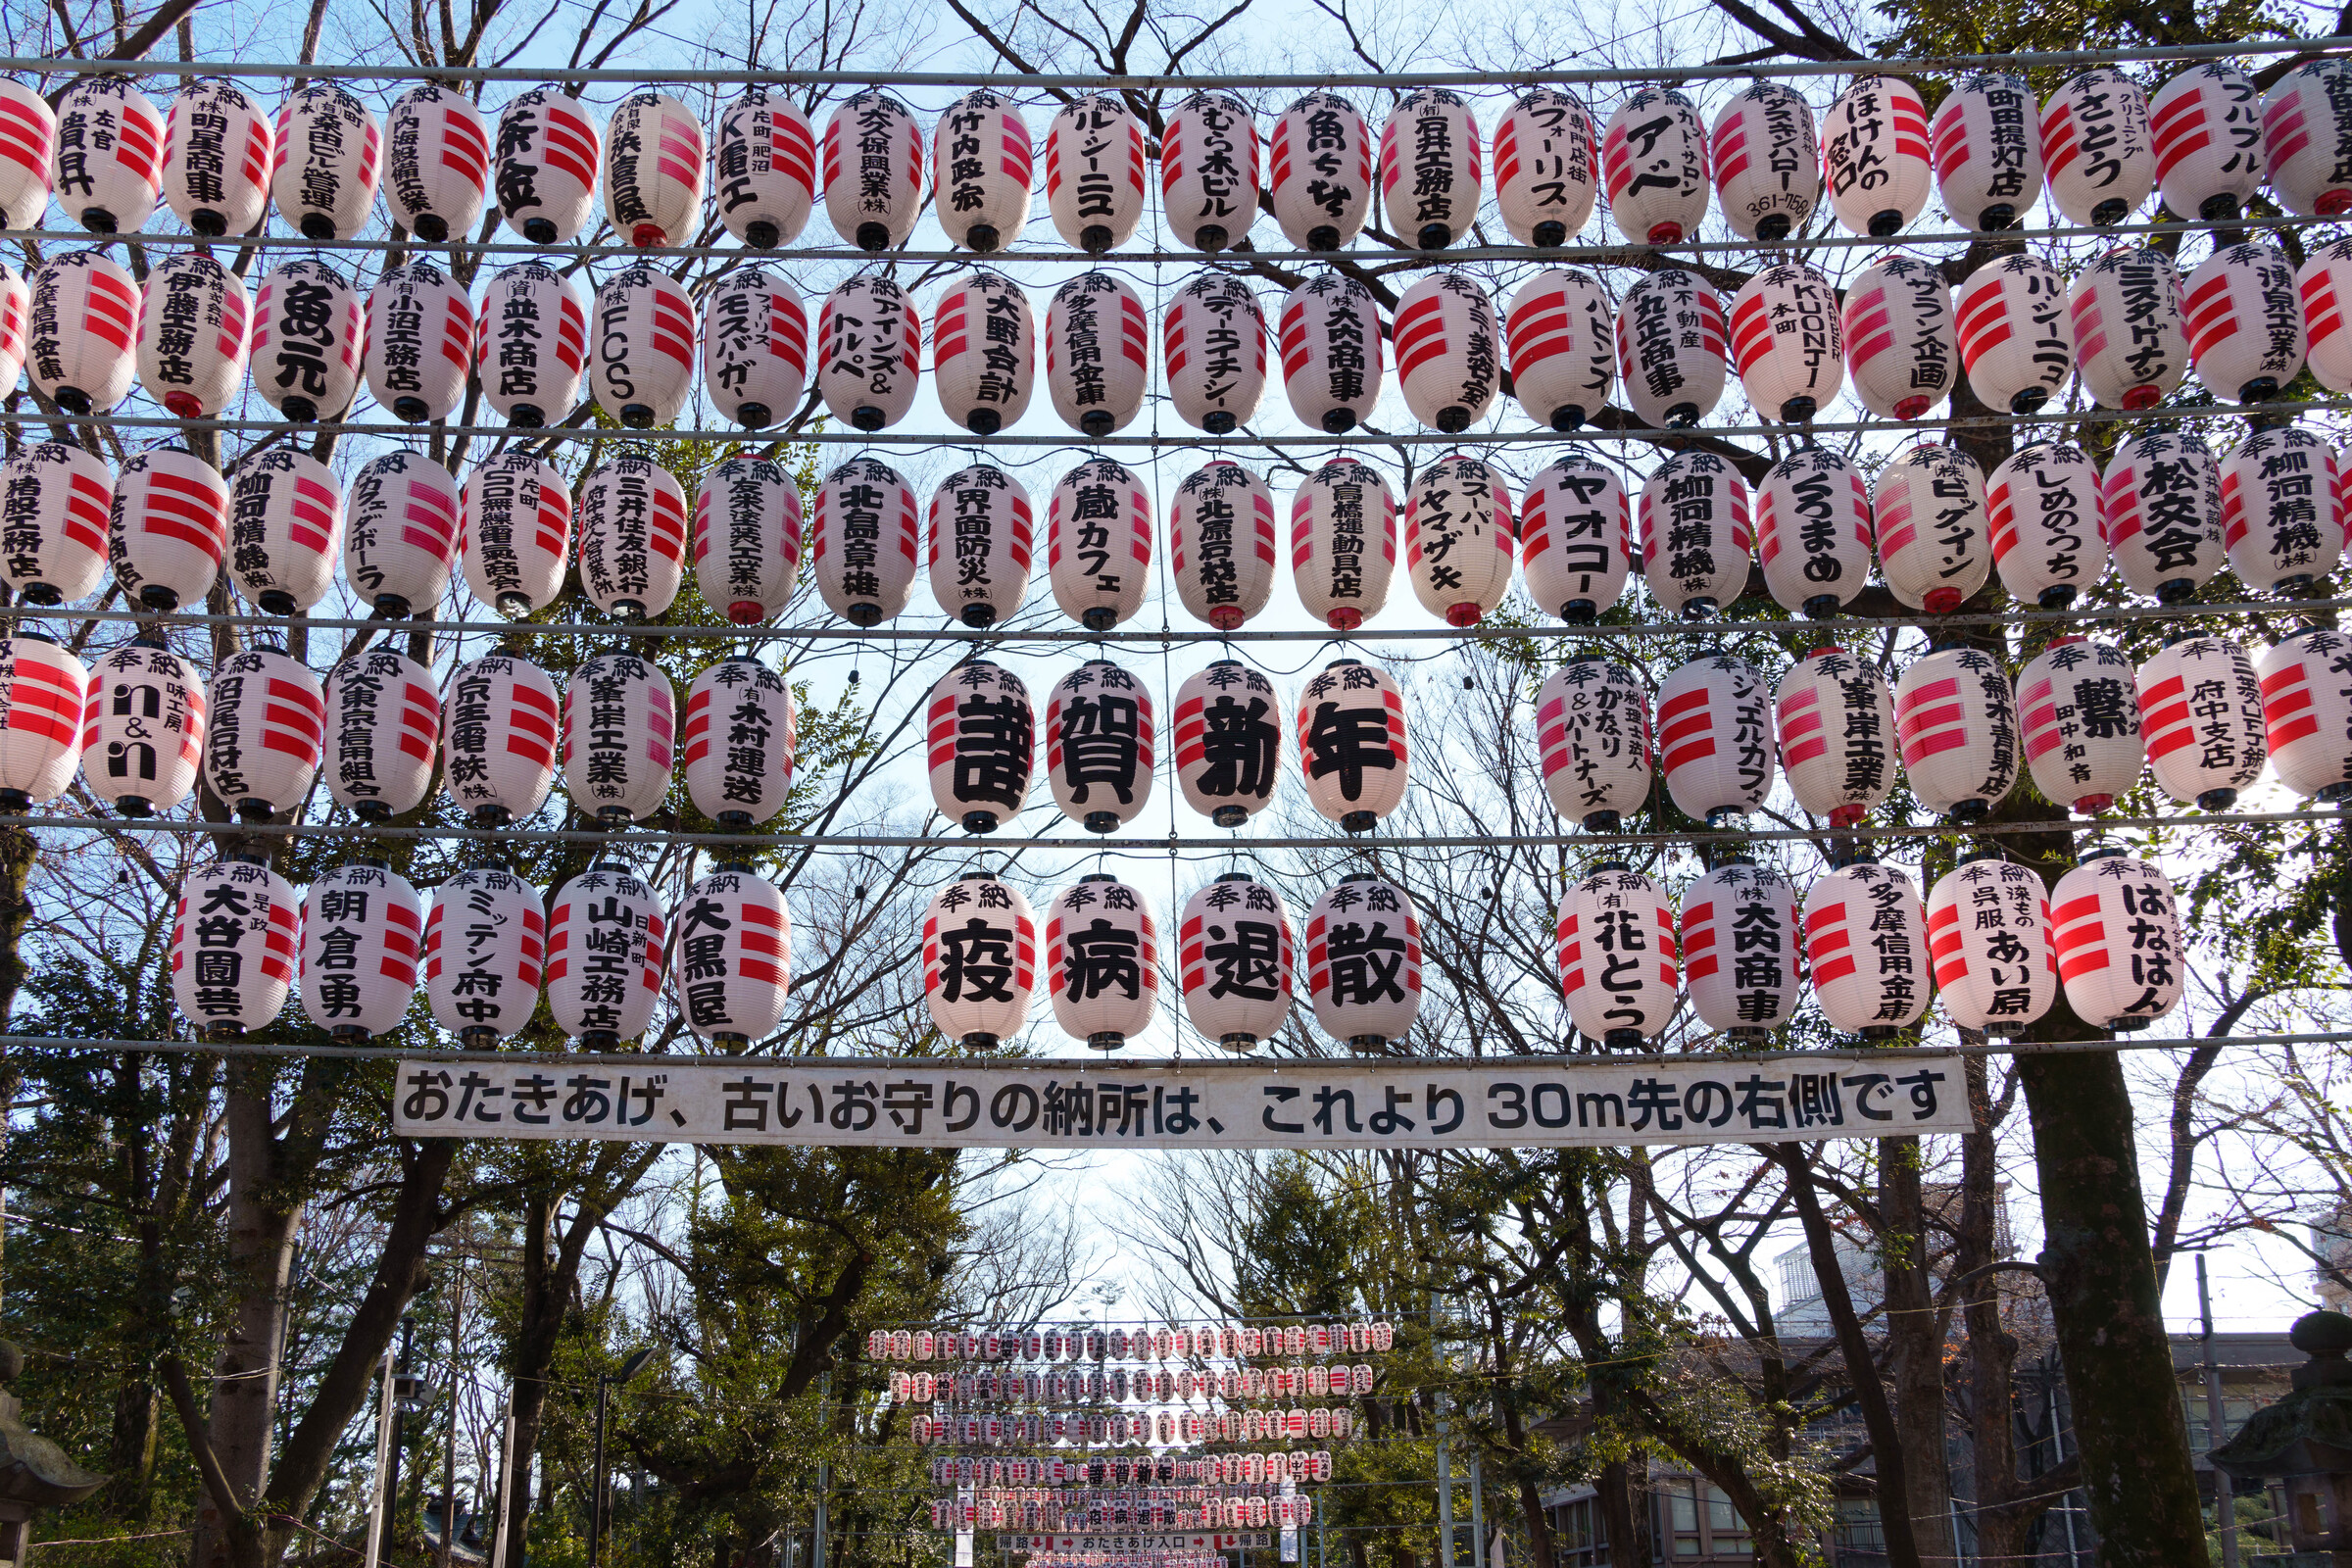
[34, 1473]
[2304, 1440]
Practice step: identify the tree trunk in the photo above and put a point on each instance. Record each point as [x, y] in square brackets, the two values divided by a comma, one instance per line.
[1915, 1348]
[1624, 1506]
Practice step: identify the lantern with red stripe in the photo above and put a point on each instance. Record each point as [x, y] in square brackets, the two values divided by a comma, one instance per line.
[979, 961]
[2043, 505]
[1619, 963]
[329, 157]
[1319, 174]
[1956, 716]
[1813, 531]
[1096, 345]
[168, 527]
[1095, 173]
[604, 956]
[1670, 343]
[982, 529]
[1576, 536]
[2160, 506]
[1694, 533]
[1592, 734]
[765, 169]
[747, 538]
[44, 691]
[739, 742]
[233, 936]
[1899, 345]
[484, 944]
[653, 170]
[1429, 173]
[868, 342]
[267, 732]
[1364, 962]
[2207, 124]
[1447, 361]
[362, 924]
[286, 530]
[1547, 167]
[2079, 704]
[1208, 171]
[1228, 739]
[217, 148]
[54, 501]
[1985, 141]
[2280, 523]
[865, 540]
[2128, 338]
[984, 353]
[2097, 151]
[1988, 930]
[2245, 323]
[1099, 543]
[531, 342]
[2121, 956]
[1222, 545]
[1098, 746]
[142, 735]
[619, 729]
[2014, 335]
[518, 532]
[437, 168]
[1352, 744]
[1740, 938]
[1653, 159]
[499, 723]
[1102, 962]
[1342, 543]
[16, 315]
[1874, 156]
[1786, 338]
[192, 315]
[81, 336]
[2324, 284]
[732, 965]
[1866, 946]
[547, 163]
[2307, 709]
[1460, 539]
[2307, 138]
[1562, 340]
[109, 165]
[755, 347]
[633, 533]
[1766, 161]
[310, 331]
[1835, 720]
[1715, 741]
[874, 170]
[643, 365]
[2201, 718]
[27, 146]
[421, 333]
[980, 170]
[1213, 352]
[383, 719]
[1934, 540]
[402, 537]
[981, 730]
[1331, 362]
[1234, 961]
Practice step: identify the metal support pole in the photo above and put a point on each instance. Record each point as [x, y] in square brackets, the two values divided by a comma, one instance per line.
[1445, 1448]
[1477, 1513]
[595, 1484]
[375, 1488]
[505, 1485]
[389, 1519]
[449, 1457]
[2225, 1505]
[824, 1474]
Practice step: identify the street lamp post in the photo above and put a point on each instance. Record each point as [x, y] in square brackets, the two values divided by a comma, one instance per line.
[597, 1489]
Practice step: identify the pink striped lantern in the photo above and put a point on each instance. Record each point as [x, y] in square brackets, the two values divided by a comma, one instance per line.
[329, 157]
[362, 924]
[980, 954]
[1576, 537]
[1715, 742]
[2160, 506]
[2097, 151]
[1985, 141]
[865, 538]
[604, 956]
[984, 353]
[1989, 932]
[1228, 740]
[419, 336]
[2307, 711]
[980, 152]
[518, 532]
[1447, 361]
[2207, 123]
[383, 722]
[500, 719]
[2129, 341]
[1693, 515]
[547, 164]
[2122, 960]
[739, 743]
[401, 538]
[217, 148]
[1835, 720]
[2280, 523]
[1429, 173]
[1331, 359]
[2245, 323]
[1935, 541]
[1956, 718]
[763, 167]
[1670, 345]
[868, 352]
[2324, 284]
[1592, 735]
[532, 345]
[265, 733]
[1460, 539]
[2307, 139]
[16, 317]
[1739, 942]
[437, 162]
[81, 336]
[107, 171]
[1653, 161]
[1102, 962]
[2014, 334]
[620, 732]
[1213, 353]
[54, 501]
[1096, 169]
[642, 335]
[1319, 174]
[1222, 547]
[234, 940]
[1099, 543]
[1547, 167]
[1209, 171]
[168, 527]
[1866, 948]
[1096, 353]
[2079, 705]
[2043, 505]
[746, 539]
[1364, 962]
[653, 179]
[1620, 966]
[1098, 746]
[310, 331]
[2201, 717]
[1560, 331]
[142, 733]
[1874, 156]
[873, 156]
[44, 691]
[732, 964]
[1767, 161]
[983, 531]
[980, 728]
[755, 347]
[192, 317]
[1352, 752]
[27, 146]
[631, 524]
[1787, 341]
[286, 530]
[1813, 531]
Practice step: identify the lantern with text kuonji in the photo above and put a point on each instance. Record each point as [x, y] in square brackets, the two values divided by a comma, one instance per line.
[547, 165]
[1740, 939]
[982, 529]
[747, 538]
[108, 169]
[168, 527]
[531, 342]
[329, 155]
[2307, 138]
[1935, 541]
[402, 537]
[2121, 956]
[1874, 156]
[1985, 141]
[2015, 337]
[1429, 173]
[1899, 344]
[764, 167]
[1988, 930]
[1096, 347]
[1447, 361]
[2307, 711]
[142, 734]
[1224, 550]
[1670, 346]
[980, 951]
[1714, 737]
[755, 347]
[1352, 744]
[1095, 173]
[2079, 707]
[1209, 171]
[864, 540]
[1547, 167]
[1319, 172]
[265, 733]
[1460, 539]
[984, 353]
[1786, 338]
[2324, 284]
[1099, 543]
[2280, 523]
[16, 321]
[874, 170]
[81, 336]
[1618, 968]
[1562, 340]
[44, 691]
[653, 177]
[362, 925]
[1866, 946]
[500, 716]
[739, 742]
[642, 365]
[1331, 359]
[309, 334]
[419, 335]
[2160, 506]
[1364, 962]
[518, 532]
[1592, 734]
[2245, 323]
[619, 731]
[1213, 353]
[732, 964]
[1813, 531]
[1694, 515]
[1956, 716]
[631, 522]
[27, 143]
[2201, 718]
[980, 729]
[868, 342]
[2097, 151]
[1234, 961]
[1576, 537]
[1653, 161]
[218, 145]
[437, 162]
[383, 720]
[1102, 962]
[1836, 720]
[2129, 341]
[2043, 505]
[1098, 746]
[1228, 739]
[286, 530]
[980, 170]
[2207, 126]
[604, 956]
[1766, 161]
[54, 501]
[1342, 543]
[192, 319]
[233, 937]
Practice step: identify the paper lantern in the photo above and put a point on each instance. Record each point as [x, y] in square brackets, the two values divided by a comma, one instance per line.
[2097, 151]
[533, 337]
[1099, 543]
[265, 733]
[233, 934]
[1331, 361]
[1985, 140]
[747, 538]
[191, 352]
[1209, 171]
[1562, 340]
[1933, 537]
[1900, 348]
[1740, 938]
[1447, 363]
[2160, 506]
[1547, 167]
[1836, 720]
[2121, 956]
[1766, 161]
[1989, 929]
[1213, 350]
[1364, 962]
[217, 148]
[500, 717]
[1786, 337]
[620, 726]
[167, 528]
[739, 742]
[980, 170]
[1095, 173]
[982, 527]
[310, 331]
[733, 960]
[984, 353]
[2307, 711]
[329, 156]
[1866, 946]
[1098, 746]
[1342, 543]
[652, 176]
[1957, 718]
[2079, 705]
[437, 162]
[382, 724]
[1097, 344]
[631, 523]
[867, 338]
[1714, 737]
[604, 958]
[874, 170]
[419, 336]
[1460, 539]
[518, 532]
[286, 530]
[1619, 964]
[981, 731]
[642, 367]
[2129, 339]
[142, 736]
[2280, 523]
[755, 347]
[2201, 717]
[1576, 536]
[2207, 126]
[1429, 173]
[2014, 334]
[1874, 156]
[16, 319]
[108, 171]
[362, 924]
[1228, 738]
[54, 501]
[764, 167]
[1670, 343]
[2043, 505]
[2324, 284]
[1694, 533]
[2307, 138]
[2245, 323]
[1813, 531]
[1592, 735]
[979, 961]
[864, 540]
[1352, 744]
[1234, 961]
[1222, 548]
[1319, 172]
[401, 539]
[81, 339]
[43, 693]
[547, 166]
[1653, 159]
[27, 146]
[1102, 962]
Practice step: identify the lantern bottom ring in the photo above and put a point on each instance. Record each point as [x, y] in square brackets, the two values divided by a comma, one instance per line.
[863, 614]
[753, 415]
[1230, 816]
[477, 1037]
[600, 1040]
[527, 416]
[983, 237]
[873, 236]
[1550, 234]
[73, 399]
[2111, 211]
[1097, 422]
[1602, 822]
[1378, 1043]
[1095, 238]
[1105, 1039]
[2125, 1026]
[1878, 1031]
[865, 417]
[1101, 821]
[132, 806]
[979, 822]
[1972, 811]
[351, 1034]
[984, 421]
[539, 230]
[1623, 1040]
[637, 415]
[976, 1041]
[1211, 237]
[1887, 223]
[977, 616]
[1339, 422]
[208, 222]
[222, 1031]
[1357, 822]
[1774, 226]
[15, 800]
[2000, 215]
[155, 595]
[42, 593]
[372, 811]
[2220, 800]
[761, 235]
[1453, 418]
[1568, 416]
[1237, 1042]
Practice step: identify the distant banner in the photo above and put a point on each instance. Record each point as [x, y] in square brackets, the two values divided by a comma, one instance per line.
[1530, 1102]
[1114, 1541]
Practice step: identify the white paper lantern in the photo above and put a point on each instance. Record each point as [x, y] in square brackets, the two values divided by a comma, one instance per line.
[2097, 151]
[2160, 506]
[107, 171]
[265, 733]
[979, 961]
[142, 738]
[383, 722]
[2279, 521]
[1099, 543]
[500, 719]
[329, 157]
[1228, 740]
[1874, 156]
[2201, 718]
[403, 536]
[362, 925]
[1694, 520]
[1319, 172]
[1352, 744]
[1653, 159]
[1619, 964]
[2121, 956]
[1866, 948]
[1097, 351]
[747, 538]
[168, 527]
[2207, 124]
[2307, 138]
[874, 170]
[982, 528]
[868, 336]
[1576, 537]
[44, 692]
[27, 147]
[764, 167]
[733, 962]
[755, 347]
[2079, 707]
[1766, 161]
[1547, 167]
[1102, 962]
[984, 353]
[642, 368]
[233, 935]
[2307, 711]
[16, 322]
[631, 522]
[1429, 173]
[1224, 550]
[1714, 737]
[1989, 928]
[1460, 539]
[217, 149]
[286, 530]
[82, 337]
[604, 958]
[1933, 537]
[2245, 323]
[1836, 720]
[438, 163]
[1592, 735]
[1985, 140]
[1740, 939]
[1095, 173]
[2324, 284]
[310, 332]
[2043, 505]
[192, 322]
[1957, 717]
[739, 742]
[2015, 337]
[518, 532]
[1670, 346]
[1342, 543]
[1813, 531]
[1448, 364]
[620, 732]
[1562, 335]
[981, 730]
[1364, 962]
[1331, 358]
[652, 176]
[1213, 352]
[980, 171]
[1786, 337]
[1209, 171]
[419, 336]
[1098, 746]
[532, 338]
[865, 538]
[2129, 342]
[547, 165]
[54, 501]
[1900, 348]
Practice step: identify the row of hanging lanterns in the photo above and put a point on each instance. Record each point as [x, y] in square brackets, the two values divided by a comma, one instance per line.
[1332, 1423]
[1095, 1473]
[1220, 1513]
[1167, 1342]
[1120, 1387]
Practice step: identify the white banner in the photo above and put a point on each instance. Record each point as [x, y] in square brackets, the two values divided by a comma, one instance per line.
[1525, 1102]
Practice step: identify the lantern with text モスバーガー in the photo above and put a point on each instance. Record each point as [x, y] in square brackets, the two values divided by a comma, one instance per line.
[1234, 961]
[868, 352]
[1866, 946]
[2307, 138]
[1449, 360]
[192, 345]
[604, 959]
[2129, 341]
[2015, 339]
[401, 535]
[1319, 172]
[980, 731]
[1460, 538]
[109, 164]
[437, 162]
[1935, 541]
[27, 142]
[1209, 171]
[1099, 543]
[2043, 505]
[874, 159]
[1222, 545]
[619, 733]
[1874, 156]
[2122, 961]
[2280, 523]
[1653, 163]
[81, 336]
[641, 363]
[383, 724]
[2201, 719]
[1989, 929]
[738, 742]
[1228, 739]
[653, 179]
[16, 316]
[1619, 963]
[1670, 346]
[1095, 173]
[983, 530]
[1740, 941]
[2160, 506]
[2079, 710]
[984, 353]
[1547, 167]
[532, 345]
[1098, 746]
[2245, 323]
[362, 925]
[1102, 962]
[142, 730]
[1429, 173]
[2307, 709]
[732, 963]
[865, 537]
[329, 157]
[2324, 282]
[1835, 720]
[1592, 735]
[1331, 355]
[266, 733]
[1695, 537]
[1715, 744]
[309, 333]
[763, 167]
[631, 523]
[168, 527]
[1352, 744]
[1097, 354]
[1766, 161]
[1213, 353]
[2207, 126]
[1956, 715]
[1900, 347]
[1560, 331]
[286, 530]
[54, 501]
[1813, 531]
[1576, 537]
[1986, 142]
[755, 347]
[44, 692]
[980, 170]
[547, 163]
[233, 937]
[979, 961]
[518, 532]
[500, 716]
[2097, 151]
[1364, 962]
[747, 538]
[1786, 337]
[421, 333]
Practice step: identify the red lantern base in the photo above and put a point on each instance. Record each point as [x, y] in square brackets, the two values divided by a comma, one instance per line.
[1912, 408]
[744, 612]
[1943, 601]
[2334, 203]
[2142, 397]
[183, 405]
[2089, 804]
[1344, 619]
[1225, 617]
[1665, 233]
[645, 236]
[1463, 615]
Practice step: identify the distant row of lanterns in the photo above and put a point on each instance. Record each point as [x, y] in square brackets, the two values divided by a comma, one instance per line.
[1129, 1473]
[1118, 1386]
[1166, 1429]
[1171, 1342]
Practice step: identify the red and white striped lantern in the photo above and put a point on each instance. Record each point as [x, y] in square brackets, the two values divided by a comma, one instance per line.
[980, 154]
[518, 532]
[54, 501]
[1695, 533]
[755, 347]
[979, 961]
[865, 538]
[1319, 172]
[28, 148]
[1099, 543]
[2245, 323]
[984, 353]
[1935, 541]
[1715, 742]
[1460, 539]
[2324, 284]
[383, 722]
[217, 148]
[402, 533]
[653, 177]
[1865, 947]
[1985, 141]
[981, 730]
[1813, 531]
[1653, 159]
[1102, 962]
[732, 964]
[1740, 939]
[1095, 173]
[192, 319]
[362, 925]
[1592, 735]
[1900, 348]
[1429, 173]
[604, 958]
[1331, 359]
[548, 155]
[763, 167]
[436, 163]
[1620, 966]
[1874, 156]
[631, 523]
[309, 333]
[1213, 353]
[2207, 124]
[500, 719]
[1670, 347]
[1342, 543]
[1097, 354]
[2079, 705]
[2121, 956]
[1448, 360]
[1786, 338]
[233, 936]
[1209, 171]
[107, 171]
[1989, 928]
[874, 170]
[16, 319]
[739, 742]
[1560, 331]
[1547, 167]
[2307, 138]
[1364, 962]
[619, 734]
[1098, 746]
[1222, 545]
[82, 337]
[2279, 519]
[168, 527]
[1766, 161]
[44, 691]
[1835, 720]
[1352, 752]
[982, 530]
[2097, 151]
[1576, 537]
[868, 351]
[2129, 341]
[746, 539]
[2307, 711]
[2201, 718]
[286, 530]
[265, 735]
[532, 345]
[419, 335]
[329, 157]
[1956, 715]
[1228, 739]
[642, 335]
[2014, 334]
[2160, 506]
[142, 733]
[2043, 505]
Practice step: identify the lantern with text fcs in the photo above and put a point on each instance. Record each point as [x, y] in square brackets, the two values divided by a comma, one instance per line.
[1989, 928]
[1460, 539]
[1448, 360]
[500, 716]
[1592, 734]
[1813, 531]
[631, 523]
[1956, 716]
[1352, 744]
[2245, 323]
[1429, 173]
[2279, 519]
[54, 501]
[1562, 339]
[1619, 965]
[984, 353]
[746, 539]
[868, 352]
[1766, 161]
[2307, 709]
[764, 167]
[2307, 138]
[2324, 284]
[755, 347]
[1102, 961]
[1933, 538]
[383, 722]
[732, 965]
[1097, 351]
[1985, 141]
[2201, 719]
[1740, 939]
[1836, 720]
[1695, 534]
[2160, 506]
[1715, 742]
[233, 937]
[81, 334]
[1874, 156]
[2078, 708]
[2015, 339]
[979, 961]
[362, 925]
[865, 540]
[401, 538]
[1576, 537]
[1342, 543]
[1653, 161]
[1222, 547]
[619, 733]
[1213, 352]
[1228, 739]
[531, 342]
[980, 171]
[739, 742]
[643, 335]
[1364, 962]
[2097, 149]
[547, 165]
[873, 156]
[286, 530]
[44, 692]
[142, 734]
[329, 156]
[1208, 171]
[2129, 342]
[980, 730]
[1235, 961]
[168, 527]
[2121, 956]
[1866, 946]
[1670, 346]
[1899, 344]
[1098, 746]
[1547, 167]
[420, 338]
[109, 168]
[1095, 173]
[437, 162]
[1099, 543]
[266, 733]
[982, 529]
[653, 177]
[2207, 126]
[484, 947]
[518, 532]
[16, 317]
[2043, 505]
[1786, 337]
[310, 332]
[192, 323]
[27, 144]
[1331, 359]
[604, 956]
[1319, 172]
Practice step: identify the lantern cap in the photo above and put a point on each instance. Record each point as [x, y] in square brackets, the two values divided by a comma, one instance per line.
[1358, 876]
[1097, 876]
[2103, 851]
[977, 876]
[1234, 876]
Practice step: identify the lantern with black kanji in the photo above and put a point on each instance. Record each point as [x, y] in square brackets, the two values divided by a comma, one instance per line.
[109, 164]
[2207, 126]
[192, 343]
[747, 538]
[484, 948]
[653, 177]
[1342, 543]
[979, 961]
[1670, 345]
[1319, 172]
[1653, 161]
[54, 501]
[2043, 505]
[1592, 735]
[620, 732]
[984, 353]
[732, 963]
[532, 345]
[1096, 349]
[1935, 541]
[1095, 172]
[1715, 742]
[1364, 962]
[1098, 746]
[1561, 336]
[1695, 522]
[2201, 719]
[1985, 140]
[1866, 946]
[44, 692]
[1619, 963]
[1234, 961]
[2307, 709]
[517, 531]
[2307, 138]
[1331, 357]
[2121, 956]
[1787, 341]
[362, 925]
[500, 717]
[873, 156]
[168, 527]
[1447, 361]
[1222, 544]
[329, 156]
[1099, 543]
[420, 334]
[2245, 323]
[1428, 174]
[2324, 282]
[265, 733]
[869, 341]
[2096, 148]
[2079, 710]
[980, 730]
[547, 164]
[1766, 161]
[286, 530]
[1957, 715]
[1213, 353]
[604, 959]
[81, 336]
[1899, 345]
[738, 743]
[1874, 156]
[1989, 929]
[980, 170]
[233, 935]
[631, 523]
[1835, 720]
[27, 142]
[2129, 342]
[437, 163]
[764, 169]
[1813, 531]
[642, 367]
[1228, 738]
[1740, 938]
[982, 529]
[1208, 171]
[755, 347]
[402, 533]
[383, 724]
[2280, 523]
[142, 734]
[2015, 339]
[2160, 506]
[1547, 167]
[1460, 539]
[1576, 537]
[310, 331]
[1352, 744]
[865, 540]
[1102, 961]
